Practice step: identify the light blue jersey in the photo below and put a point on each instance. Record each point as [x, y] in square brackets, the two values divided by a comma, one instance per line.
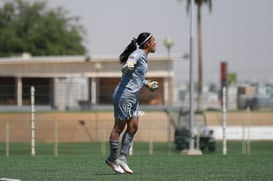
[125, 96]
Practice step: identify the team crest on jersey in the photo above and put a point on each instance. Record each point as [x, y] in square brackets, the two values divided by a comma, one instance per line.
[127, 108]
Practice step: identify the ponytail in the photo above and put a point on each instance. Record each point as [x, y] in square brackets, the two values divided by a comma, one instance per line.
[128, 50]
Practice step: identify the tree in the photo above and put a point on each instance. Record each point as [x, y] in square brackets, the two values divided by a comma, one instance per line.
[199, 4]
[33, 28]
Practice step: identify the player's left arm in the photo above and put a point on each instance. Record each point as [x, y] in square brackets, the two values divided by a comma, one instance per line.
[152, 85]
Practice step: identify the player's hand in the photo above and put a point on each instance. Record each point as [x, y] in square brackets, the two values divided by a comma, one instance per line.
[152, 85]
[129, 66]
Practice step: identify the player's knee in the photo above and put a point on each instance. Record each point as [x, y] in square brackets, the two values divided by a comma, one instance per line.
[132, 129]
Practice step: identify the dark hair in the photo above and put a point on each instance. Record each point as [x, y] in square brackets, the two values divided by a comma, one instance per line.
[140, 41]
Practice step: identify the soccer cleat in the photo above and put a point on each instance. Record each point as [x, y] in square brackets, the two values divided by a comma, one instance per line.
[115, 166]
[125, 166]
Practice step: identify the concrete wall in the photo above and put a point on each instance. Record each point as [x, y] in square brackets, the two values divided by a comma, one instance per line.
[154, 126]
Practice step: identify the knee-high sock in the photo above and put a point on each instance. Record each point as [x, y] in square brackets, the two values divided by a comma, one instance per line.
[113, 150]
[126, 144]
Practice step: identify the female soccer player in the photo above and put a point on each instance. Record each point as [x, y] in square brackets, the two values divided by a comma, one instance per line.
[125, 98]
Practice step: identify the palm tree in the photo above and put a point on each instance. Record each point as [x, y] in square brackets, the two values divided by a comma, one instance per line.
[199, 4]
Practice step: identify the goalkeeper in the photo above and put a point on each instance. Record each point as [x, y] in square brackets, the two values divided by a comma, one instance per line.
[134, 62]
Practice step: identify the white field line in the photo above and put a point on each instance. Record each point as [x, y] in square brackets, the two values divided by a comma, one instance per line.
[9, 179]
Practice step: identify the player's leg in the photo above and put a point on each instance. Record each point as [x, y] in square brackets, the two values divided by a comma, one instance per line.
[114, 145]
[127, 139]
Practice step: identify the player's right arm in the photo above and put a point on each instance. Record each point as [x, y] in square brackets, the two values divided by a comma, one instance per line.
[130, 63]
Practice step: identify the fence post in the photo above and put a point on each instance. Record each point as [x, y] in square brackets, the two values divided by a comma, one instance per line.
[224, 111]
[32, 90]
[56, 139]
[7, 138]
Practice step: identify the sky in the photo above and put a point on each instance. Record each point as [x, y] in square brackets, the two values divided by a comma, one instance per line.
[238, 32]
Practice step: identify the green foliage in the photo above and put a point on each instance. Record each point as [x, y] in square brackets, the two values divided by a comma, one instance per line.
[33, 28]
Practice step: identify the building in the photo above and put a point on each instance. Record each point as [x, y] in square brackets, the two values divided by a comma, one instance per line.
[68, 82]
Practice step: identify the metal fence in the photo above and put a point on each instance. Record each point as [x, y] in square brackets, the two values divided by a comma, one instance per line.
[64, 116]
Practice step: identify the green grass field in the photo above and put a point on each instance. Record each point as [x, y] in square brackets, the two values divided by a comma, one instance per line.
[85, 161]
